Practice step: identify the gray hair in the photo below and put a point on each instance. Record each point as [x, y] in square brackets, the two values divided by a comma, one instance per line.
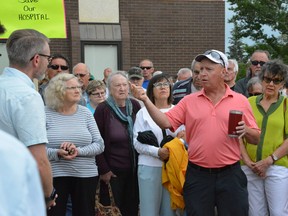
[252, 82]
[261, 51]
[23, 44]
[193, 64]
[236, 67]
[157, 73]
[275, 68]
[87, 68]
[55, 91]
[151, 63]
[184, 71]
[122, 73]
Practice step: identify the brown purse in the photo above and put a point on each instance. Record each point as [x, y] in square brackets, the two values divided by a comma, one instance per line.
[101, 210]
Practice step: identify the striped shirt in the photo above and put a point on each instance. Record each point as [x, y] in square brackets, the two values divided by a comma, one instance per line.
[81, 129]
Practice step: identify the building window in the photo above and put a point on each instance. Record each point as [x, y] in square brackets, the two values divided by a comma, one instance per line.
[100, 56]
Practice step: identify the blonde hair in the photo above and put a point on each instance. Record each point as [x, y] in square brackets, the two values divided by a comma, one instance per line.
[95, 84]
[56, 90]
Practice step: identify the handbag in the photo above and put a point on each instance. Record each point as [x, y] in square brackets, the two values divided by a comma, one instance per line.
[101, 210]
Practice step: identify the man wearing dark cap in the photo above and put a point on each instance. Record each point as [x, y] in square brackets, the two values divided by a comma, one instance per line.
[135, 77]
[214, 176]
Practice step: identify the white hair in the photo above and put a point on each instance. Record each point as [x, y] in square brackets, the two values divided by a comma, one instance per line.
[236, 67]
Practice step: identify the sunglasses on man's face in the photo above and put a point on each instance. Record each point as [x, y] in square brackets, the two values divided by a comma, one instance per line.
[255, 63]
[145, 68]
[56, 67]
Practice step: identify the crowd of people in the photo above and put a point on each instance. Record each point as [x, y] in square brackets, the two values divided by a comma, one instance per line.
[82, 132]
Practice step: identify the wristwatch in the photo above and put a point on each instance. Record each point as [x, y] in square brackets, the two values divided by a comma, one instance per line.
[274, 158]
[51, 197]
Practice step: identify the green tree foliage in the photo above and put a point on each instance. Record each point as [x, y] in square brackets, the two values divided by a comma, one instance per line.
[236, 49]
[250, 19]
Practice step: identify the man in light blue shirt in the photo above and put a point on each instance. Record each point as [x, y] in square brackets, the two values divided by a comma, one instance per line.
[21, 108]
[20, 186]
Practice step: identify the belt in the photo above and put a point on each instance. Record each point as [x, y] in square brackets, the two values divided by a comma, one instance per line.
[213, 170]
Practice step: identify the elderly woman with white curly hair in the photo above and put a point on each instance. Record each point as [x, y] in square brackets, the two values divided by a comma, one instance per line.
[74, 141]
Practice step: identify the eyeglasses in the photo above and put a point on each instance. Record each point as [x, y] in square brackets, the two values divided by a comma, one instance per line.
[160, 85]
[255, 63]
[49, 58]
[80, 75]
[56, 67]
[146, 68]
[98, 94]
[275, 80]
[215, 55]
[73, 88]
[254, 94]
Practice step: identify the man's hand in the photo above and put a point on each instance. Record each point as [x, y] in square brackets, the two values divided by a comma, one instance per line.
[51, 203]
[241, 129]
[138, 92]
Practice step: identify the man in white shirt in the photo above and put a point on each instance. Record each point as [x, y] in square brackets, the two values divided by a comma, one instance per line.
[20, 186]
[22, 109]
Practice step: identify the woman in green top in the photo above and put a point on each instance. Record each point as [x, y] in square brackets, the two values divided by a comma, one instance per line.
[266, 164]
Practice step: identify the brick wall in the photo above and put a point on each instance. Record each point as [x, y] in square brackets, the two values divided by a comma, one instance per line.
[64, 46]
[172, 32]
[169, 32]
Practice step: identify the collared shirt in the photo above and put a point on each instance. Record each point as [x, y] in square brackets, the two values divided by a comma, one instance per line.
[20, 186]
[21, 109]
[272, 123]
[207, 127]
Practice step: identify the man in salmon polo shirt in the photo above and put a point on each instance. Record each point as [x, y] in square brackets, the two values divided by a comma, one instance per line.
[213, 177]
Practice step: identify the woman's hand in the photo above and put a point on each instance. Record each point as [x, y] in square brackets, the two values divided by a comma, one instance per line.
[163, 153]
[67, 150]
[261, 166]
[107, 176]
[248, 162]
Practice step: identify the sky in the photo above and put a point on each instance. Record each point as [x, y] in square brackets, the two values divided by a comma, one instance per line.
[229, 27]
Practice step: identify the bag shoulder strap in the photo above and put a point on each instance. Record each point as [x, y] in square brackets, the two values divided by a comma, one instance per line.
[164, 133]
